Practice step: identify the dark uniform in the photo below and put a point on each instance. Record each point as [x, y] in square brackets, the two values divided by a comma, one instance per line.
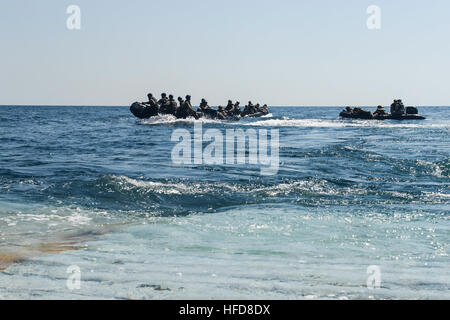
[203, 106]
[249, 109]
[151, 99]
[265, 109]
[380, 111]
[221, 114]
[397, 108]
[163, 100]
[230, 106]
[206, 110]
[166, 105]
[172, 106]
[237, 109]
[152, 106]
[186, 110]
[180, 101]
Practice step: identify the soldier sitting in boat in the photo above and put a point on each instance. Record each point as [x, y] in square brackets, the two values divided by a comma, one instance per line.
[151, 99]
[180, 101]
[163, 99]
[168, 106]
[186, 110]
[172, 105]
[397, 108]
[152, 107]
[347, 112]
[230, 106]
[398, 112]
[203, 105]
[145, 110]
[380, 112]
[249, 109]
[236, 109]
[221, 113]
[229, 109]
[261, 110]
[206, 110]
[265, 109]
[232, 110]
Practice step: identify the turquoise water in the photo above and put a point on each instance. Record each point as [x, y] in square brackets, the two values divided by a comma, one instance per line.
[348, 195]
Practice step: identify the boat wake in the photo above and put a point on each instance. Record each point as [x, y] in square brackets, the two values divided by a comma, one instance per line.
[170, 119]
[319, 123]
[269, 121]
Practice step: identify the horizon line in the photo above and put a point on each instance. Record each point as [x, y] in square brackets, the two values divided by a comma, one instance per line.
[273, 106]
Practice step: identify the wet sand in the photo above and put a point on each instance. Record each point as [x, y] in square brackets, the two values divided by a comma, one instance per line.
[9, 256]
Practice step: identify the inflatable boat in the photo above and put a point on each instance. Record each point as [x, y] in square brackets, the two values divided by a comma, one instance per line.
[146, 111]
[367, 116]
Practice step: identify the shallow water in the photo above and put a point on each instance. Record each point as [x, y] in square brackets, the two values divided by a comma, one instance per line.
[93, 187]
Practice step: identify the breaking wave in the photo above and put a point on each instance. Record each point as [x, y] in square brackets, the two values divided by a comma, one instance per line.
[169, 197]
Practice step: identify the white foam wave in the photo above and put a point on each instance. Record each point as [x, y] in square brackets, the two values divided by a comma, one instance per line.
[180, 188]
[437, 195]
[268, 121]
[318, 123]
[48, 217]
[158, 187]
[317, 187]
[170, 119]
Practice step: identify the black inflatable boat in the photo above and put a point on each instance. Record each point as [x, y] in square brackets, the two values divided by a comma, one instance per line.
[349, 115]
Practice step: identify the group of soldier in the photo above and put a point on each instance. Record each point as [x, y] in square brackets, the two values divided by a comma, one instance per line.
[397, 110]
[183, 109]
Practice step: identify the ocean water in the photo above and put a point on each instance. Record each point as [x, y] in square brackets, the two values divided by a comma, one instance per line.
[95, 189]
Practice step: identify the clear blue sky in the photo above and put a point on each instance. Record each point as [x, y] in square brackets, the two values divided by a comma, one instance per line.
[276, 52]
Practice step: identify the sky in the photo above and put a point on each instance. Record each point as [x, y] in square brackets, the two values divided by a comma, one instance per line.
[293, 53]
